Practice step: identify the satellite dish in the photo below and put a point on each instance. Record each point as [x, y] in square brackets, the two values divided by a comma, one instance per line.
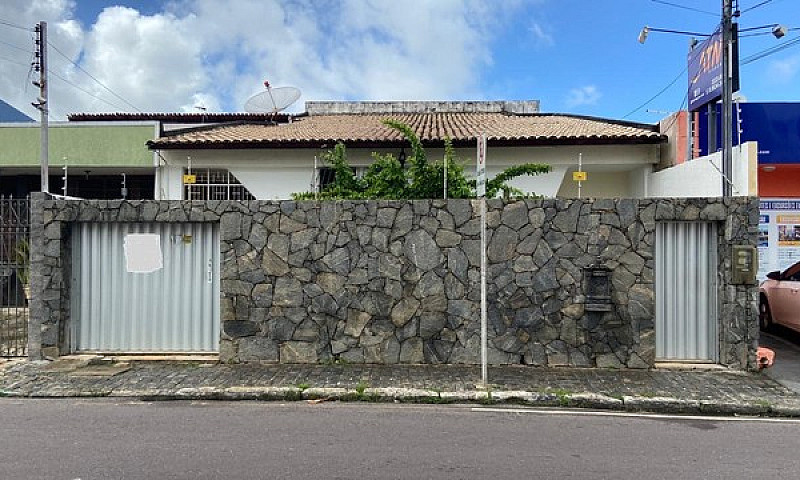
[273, 100]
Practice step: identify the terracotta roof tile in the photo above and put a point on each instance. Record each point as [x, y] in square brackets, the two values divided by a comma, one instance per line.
[431, 128]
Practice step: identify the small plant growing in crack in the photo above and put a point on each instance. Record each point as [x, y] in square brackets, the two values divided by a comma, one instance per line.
[489, 399]
[562, 396]
[361, 387]
[763, 403]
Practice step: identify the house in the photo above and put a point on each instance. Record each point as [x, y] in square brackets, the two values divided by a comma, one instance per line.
[104, 154]
[272, 161]
[98, 160]
[602, 281]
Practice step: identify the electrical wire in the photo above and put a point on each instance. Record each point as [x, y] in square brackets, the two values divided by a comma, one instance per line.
[767, 33]
[16, 47]
[685, 7]
[770, 51]
[685, 69]
[14, 25]
[657, 94]
[82, 90]
[15, 62]
[675, 117]
[93, 77]
[756, 6]
[56, 75]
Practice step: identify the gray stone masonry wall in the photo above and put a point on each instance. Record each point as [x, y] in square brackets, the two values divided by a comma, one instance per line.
[398, 281]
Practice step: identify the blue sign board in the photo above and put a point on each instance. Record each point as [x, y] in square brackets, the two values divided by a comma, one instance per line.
[775, 126]
[705, 72]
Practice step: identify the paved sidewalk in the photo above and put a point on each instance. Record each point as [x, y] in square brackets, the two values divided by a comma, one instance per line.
[709, 392]
[786, 370]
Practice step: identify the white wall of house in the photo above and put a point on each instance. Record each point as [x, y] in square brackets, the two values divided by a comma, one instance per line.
[702, 176]
[614, 170]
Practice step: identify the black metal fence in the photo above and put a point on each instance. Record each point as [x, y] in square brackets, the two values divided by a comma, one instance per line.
[14, 275]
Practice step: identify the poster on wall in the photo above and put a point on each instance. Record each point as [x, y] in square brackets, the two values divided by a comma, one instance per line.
[778, 235]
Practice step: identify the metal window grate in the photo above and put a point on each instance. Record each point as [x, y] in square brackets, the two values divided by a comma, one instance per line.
[215, 184]
[326, 175]
[14, 262]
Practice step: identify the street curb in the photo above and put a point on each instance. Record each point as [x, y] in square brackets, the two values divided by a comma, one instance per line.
[585, 400]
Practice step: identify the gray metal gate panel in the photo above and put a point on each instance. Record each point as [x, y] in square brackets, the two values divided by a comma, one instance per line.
[686, 293]
[173, 309]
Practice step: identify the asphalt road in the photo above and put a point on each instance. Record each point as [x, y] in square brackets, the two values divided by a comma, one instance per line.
[103, 439]
[786, 345]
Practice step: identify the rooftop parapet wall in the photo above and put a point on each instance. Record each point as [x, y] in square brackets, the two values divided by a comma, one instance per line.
[398, 281]
[499, 106]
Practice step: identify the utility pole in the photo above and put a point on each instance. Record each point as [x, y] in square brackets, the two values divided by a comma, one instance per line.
[40, 65]
[727, 97]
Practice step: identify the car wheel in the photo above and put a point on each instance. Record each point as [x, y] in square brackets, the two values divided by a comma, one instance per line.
[764, 314]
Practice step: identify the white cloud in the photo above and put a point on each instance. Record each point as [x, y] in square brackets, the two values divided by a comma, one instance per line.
[218, 54]
[540, 35]
[586, 95]
[785, 70]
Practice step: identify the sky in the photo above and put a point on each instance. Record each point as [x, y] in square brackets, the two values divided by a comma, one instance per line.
[575, 56]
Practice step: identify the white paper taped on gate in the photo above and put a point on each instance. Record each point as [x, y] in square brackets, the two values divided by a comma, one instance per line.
[143, 253]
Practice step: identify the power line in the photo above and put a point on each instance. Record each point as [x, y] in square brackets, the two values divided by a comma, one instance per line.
[657, 94]
[769, 51]
[15, 62]
[756, 34]
[82, 90]
[680, 108]
[685, 7]
[14, 25]
[93, 77]
[16, 47]
[761, 4]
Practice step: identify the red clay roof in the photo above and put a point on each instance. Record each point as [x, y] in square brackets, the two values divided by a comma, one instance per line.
[432, 128]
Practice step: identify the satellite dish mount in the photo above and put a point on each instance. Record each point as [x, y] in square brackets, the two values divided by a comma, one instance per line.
[273, 100]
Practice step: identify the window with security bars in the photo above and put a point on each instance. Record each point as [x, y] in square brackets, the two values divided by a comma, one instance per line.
[215, 184]
[326, 176]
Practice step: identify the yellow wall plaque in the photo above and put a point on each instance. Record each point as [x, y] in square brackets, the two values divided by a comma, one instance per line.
[579, 176]
[189, 179]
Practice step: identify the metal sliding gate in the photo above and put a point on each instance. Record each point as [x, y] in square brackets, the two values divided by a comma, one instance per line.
[686, 292]
[14, 261]
[145, 287]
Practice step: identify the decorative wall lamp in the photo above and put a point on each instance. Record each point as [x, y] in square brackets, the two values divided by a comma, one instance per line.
[598, 288]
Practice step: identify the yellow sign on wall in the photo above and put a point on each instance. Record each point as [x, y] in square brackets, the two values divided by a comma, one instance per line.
[189, 179]
[579, 176]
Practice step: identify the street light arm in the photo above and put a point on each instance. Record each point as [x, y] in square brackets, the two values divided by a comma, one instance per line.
[681, 32]
[646, 30]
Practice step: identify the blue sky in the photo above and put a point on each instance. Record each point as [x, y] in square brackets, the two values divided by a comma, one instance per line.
[575, 56]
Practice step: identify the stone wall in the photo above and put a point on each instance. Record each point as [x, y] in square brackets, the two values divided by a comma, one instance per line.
[399, 281]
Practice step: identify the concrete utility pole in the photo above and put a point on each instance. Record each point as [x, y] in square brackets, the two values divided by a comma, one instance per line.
[727, 97]
[40, 65]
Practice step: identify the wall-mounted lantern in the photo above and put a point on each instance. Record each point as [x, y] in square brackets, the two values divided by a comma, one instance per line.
[598, 288]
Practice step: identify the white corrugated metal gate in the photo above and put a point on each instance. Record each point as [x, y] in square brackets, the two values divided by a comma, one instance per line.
[686, 292]
[145, 287]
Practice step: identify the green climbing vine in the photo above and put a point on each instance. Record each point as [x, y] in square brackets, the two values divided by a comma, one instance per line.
[386, 178]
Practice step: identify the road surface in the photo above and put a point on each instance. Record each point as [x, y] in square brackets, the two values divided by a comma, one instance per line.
[105, 439]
